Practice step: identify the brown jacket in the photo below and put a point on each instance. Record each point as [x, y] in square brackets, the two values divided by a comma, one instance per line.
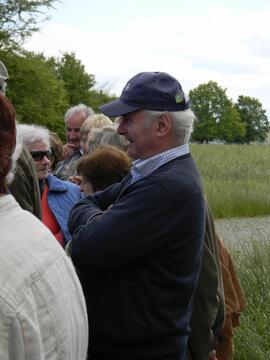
[235, 303]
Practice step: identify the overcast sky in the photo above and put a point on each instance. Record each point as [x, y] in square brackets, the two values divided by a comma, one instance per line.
[227, 41]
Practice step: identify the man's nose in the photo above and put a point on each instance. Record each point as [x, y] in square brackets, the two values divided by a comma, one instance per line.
[121, 128]
[73, 134]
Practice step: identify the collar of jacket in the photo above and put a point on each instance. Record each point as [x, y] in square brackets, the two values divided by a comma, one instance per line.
[55, 184]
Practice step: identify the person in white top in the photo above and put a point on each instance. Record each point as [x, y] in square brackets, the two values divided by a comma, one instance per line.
[42, 307]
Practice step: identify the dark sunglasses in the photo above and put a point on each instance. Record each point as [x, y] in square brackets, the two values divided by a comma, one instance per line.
[39, 155]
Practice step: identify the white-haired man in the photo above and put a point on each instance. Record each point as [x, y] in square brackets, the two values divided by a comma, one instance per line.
[138, 244]
[74, 119]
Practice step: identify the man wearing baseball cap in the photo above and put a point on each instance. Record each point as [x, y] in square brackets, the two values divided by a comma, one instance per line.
[3, 78]
[138, 244]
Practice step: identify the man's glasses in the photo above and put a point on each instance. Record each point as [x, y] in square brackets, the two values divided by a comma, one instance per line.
[39, 155]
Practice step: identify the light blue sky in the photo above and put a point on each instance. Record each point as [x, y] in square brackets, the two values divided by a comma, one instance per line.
[196, 41]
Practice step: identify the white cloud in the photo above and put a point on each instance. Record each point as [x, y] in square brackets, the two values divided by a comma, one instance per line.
[219, 45]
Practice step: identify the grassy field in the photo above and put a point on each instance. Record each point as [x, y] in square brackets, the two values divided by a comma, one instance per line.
[236, 181]
[236, 178]
[253, 268]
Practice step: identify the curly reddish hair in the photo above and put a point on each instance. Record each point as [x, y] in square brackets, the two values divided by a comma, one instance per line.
[7, 139]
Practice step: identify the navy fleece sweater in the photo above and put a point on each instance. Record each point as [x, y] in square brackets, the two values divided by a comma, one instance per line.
[138, 260]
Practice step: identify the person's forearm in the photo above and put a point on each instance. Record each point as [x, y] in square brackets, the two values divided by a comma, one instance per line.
[82, 213]
[91, 206]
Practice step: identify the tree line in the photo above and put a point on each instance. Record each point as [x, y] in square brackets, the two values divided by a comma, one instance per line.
[42, 89]
[219, 118]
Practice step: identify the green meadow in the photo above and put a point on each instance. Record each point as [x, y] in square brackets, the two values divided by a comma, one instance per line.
[236, 178]
[253, 268]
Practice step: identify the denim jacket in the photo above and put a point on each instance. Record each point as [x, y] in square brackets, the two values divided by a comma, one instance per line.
[62, 196]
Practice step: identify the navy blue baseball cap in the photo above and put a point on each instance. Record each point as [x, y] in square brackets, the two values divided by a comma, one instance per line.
[151, 91]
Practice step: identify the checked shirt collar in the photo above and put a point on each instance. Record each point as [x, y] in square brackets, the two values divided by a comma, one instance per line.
[143, 168]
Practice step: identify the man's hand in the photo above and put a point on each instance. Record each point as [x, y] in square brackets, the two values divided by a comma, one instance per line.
[68, 150]
[75, 179]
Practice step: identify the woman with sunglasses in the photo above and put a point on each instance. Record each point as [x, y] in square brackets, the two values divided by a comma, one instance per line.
[57, 196]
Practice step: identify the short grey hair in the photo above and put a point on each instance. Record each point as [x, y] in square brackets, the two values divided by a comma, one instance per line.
[94, 143]
[76, 109]
[111, 137]
[29, 134]
[182, 122]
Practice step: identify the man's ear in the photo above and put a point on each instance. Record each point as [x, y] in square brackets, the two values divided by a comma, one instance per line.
[164, 125]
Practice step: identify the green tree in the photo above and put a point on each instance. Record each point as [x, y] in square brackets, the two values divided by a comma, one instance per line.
[216, 117]
[254, 117]
[100, 97]
[19, 19]
[230, 127]
[77, 81]
[38, 96]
